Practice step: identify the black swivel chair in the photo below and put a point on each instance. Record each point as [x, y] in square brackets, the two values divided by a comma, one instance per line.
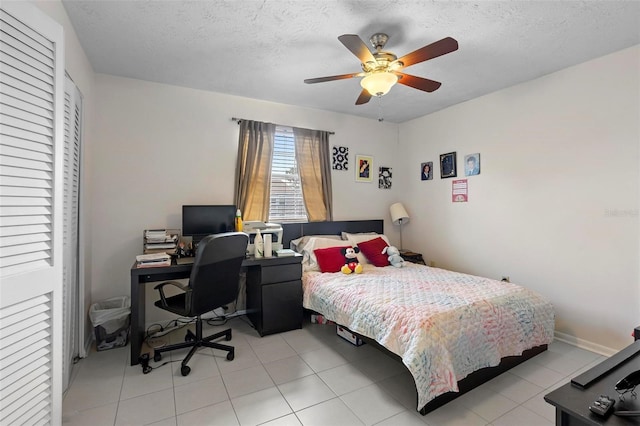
[213, 283]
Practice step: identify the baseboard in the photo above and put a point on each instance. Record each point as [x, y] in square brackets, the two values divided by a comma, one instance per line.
[88, 342]
[584, 344]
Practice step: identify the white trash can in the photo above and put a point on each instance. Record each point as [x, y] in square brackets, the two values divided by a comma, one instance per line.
[110, 319]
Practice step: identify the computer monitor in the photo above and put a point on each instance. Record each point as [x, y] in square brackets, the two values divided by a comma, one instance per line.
[200, 221]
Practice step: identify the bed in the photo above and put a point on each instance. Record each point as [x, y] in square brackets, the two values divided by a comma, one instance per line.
[452, 331]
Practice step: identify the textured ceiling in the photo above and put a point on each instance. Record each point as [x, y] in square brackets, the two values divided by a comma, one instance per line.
[265, 49]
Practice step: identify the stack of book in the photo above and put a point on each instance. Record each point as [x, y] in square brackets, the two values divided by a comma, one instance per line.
[160, 240]
[153, 260]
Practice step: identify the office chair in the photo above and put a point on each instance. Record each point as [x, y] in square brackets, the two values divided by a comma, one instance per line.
[213, 283]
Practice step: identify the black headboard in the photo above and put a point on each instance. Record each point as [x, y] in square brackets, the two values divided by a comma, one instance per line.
[291, 231]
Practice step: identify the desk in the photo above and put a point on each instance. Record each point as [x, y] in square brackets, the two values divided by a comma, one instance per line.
[274, 295]
[572, 403]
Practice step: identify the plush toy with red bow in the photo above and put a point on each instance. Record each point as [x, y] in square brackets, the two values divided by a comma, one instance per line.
[351, 263]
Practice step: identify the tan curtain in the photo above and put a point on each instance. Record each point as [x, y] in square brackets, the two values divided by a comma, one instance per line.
[253, 170]
[314, 165]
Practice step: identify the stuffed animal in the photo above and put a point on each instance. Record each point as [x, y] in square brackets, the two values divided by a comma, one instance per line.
[394, 256]
[351, 263]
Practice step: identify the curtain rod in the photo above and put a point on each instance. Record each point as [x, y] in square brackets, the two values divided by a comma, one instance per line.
[240, 119]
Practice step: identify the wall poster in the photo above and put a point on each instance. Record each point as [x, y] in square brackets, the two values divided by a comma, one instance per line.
[384, 177]
[340, 158]
[459, 191]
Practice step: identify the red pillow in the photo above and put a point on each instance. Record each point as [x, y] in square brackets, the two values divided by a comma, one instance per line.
[330, 259]
[372, 250]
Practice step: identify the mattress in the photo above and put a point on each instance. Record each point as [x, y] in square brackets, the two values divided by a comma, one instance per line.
[443, 324]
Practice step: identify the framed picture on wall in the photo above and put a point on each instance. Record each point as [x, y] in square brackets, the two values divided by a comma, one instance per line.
[384, 177]
[472, 164]
[364, 168]
[426, 170]
[448, 165]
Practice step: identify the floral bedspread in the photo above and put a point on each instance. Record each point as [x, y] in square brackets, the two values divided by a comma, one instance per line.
[444, 325]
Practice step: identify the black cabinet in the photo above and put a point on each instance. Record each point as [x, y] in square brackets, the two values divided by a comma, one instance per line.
[274, 295]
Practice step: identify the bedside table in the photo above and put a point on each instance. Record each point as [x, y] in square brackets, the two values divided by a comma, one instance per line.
[410, 256]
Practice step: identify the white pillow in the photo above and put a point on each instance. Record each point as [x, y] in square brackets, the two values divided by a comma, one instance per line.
[345, 235]
[355, 239]
[309, 261]
[298, 244]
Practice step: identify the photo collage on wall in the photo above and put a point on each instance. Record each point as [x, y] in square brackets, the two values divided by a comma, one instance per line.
[448, 166]
[363, 167]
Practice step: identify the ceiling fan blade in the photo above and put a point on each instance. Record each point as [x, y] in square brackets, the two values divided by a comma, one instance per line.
[363, 98]
[333, 77]
[357, 47]
[418, 82]
[433, 50]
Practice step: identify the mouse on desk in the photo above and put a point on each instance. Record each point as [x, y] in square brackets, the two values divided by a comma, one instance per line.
[629, 382]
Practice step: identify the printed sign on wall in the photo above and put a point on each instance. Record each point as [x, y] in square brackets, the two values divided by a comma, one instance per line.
[459, 191]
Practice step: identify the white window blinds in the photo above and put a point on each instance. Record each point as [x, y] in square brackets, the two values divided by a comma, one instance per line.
[286, 202]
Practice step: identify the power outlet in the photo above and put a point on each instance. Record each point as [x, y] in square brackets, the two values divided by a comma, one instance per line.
[505, 279]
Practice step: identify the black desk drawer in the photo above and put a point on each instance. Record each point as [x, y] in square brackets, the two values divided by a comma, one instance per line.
[280, 273]
[281, 307]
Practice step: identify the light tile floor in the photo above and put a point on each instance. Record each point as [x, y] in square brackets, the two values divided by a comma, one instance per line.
[302, 377]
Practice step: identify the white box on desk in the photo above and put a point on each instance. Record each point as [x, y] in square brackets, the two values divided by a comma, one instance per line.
[349, 336]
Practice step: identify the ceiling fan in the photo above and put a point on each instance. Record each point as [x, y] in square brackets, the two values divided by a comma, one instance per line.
[381, 69]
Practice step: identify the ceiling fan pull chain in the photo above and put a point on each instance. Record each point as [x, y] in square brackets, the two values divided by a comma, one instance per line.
[380, 117]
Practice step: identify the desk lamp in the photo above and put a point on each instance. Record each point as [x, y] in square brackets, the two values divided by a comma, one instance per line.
[399, 216]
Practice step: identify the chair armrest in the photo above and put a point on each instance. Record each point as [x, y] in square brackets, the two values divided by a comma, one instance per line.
[160, 288]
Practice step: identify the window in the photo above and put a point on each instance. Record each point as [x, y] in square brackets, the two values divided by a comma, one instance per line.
[276, 166]
[286, 202]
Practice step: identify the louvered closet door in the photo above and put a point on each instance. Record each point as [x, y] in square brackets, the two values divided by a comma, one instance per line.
[31, 213]
[70, 269]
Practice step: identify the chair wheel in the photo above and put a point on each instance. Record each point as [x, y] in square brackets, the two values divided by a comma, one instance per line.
[230, 356]
[189, 337]
[185, 370]
[228, 336]
[157, 356]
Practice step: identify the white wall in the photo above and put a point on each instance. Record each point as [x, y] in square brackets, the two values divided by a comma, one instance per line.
[556, 204]
[161, 146]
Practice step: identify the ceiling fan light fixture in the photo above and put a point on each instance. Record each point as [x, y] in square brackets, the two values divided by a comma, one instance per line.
[379, 83]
